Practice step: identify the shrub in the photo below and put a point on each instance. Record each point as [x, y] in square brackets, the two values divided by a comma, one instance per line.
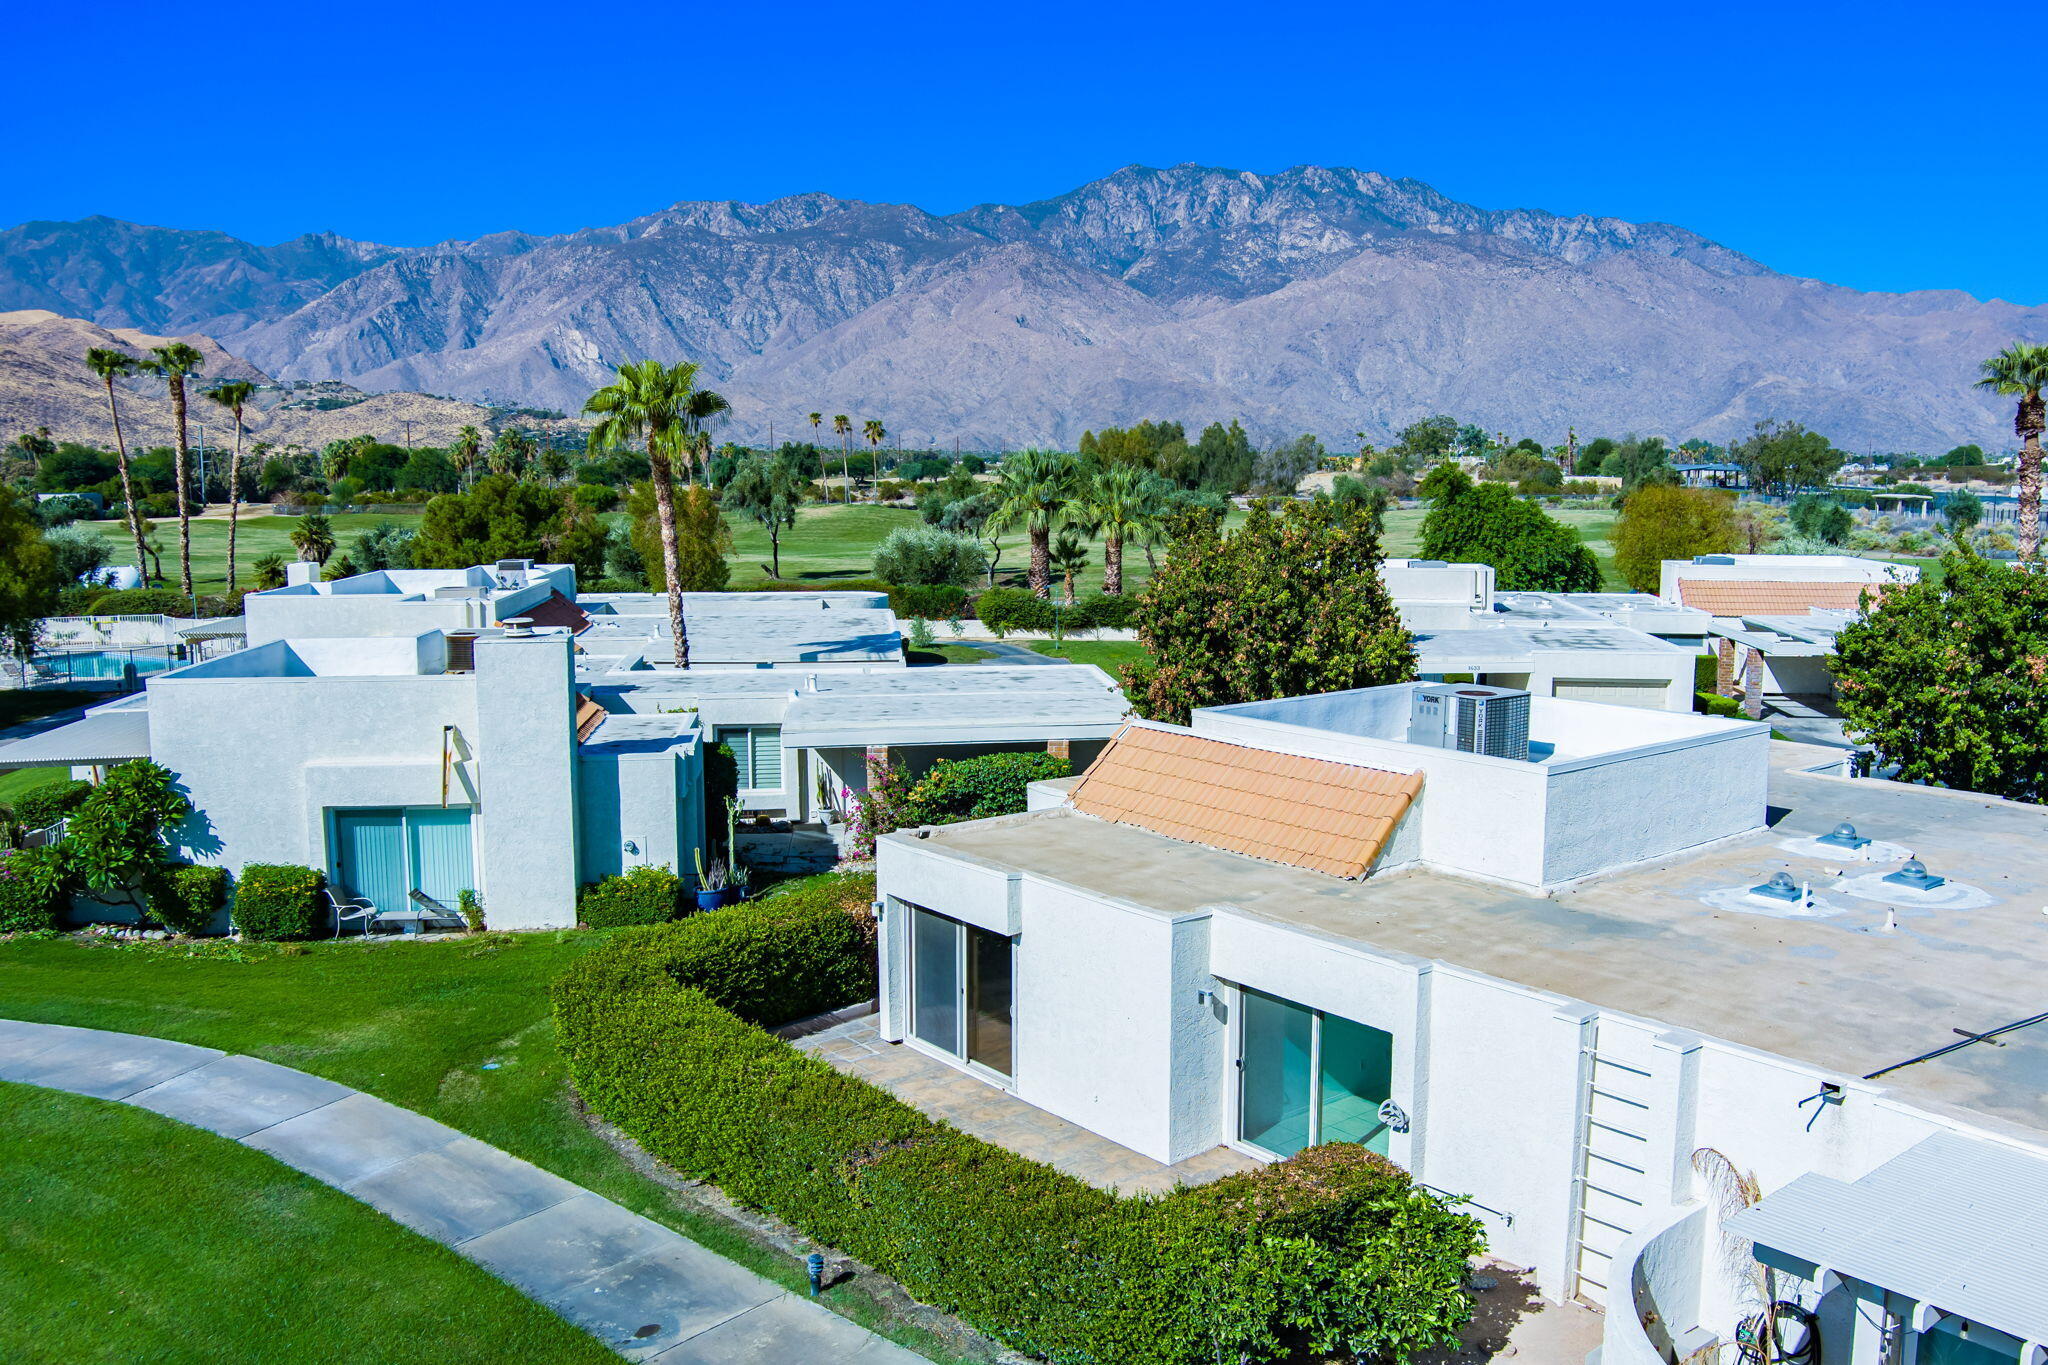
[49, 803]
[142, 602]
[928, 601]
[277, 901]
[187, 900]
[31, 890]
[640, 895]
[1003, 610]
[1713, 704]
[1104, 613]
[977, 788]
[471, 909]
[1334, 1248]
[926, 555]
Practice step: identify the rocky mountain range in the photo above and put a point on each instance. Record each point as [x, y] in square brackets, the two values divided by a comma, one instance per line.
[1325, 300]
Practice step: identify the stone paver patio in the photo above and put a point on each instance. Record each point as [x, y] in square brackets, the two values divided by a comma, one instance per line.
[995, 1115]
[643, 1289]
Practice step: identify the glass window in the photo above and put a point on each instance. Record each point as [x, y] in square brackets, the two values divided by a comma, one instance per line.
[1307, 1077]
[935, 979]
[962, 989]
[757, 752]
[989, 991]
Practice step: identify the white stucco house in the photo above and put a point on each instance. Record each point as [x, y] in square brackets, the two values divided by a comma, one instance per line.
[1606, 972]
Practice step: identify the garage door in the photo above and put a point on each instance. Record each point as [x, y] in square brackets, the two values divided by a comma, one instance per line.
[1647, 693]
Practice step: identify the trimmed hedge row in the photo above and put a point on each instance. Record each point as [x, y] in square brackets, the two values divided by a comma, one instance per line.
[278, 901]
[46, 805]
[1006, 609]
[639, 895]
[1332, 1249]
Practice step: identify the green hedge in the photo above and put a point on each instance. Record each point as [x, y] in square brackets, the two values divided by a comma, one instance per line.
[641, 895]
[1334, 1248]
[28, 902]
[932, 601]
[276, 901]
[1712, 704]
[49, 803]
[142, 602]
[1006, 609]
[188, 899]
[977, 788]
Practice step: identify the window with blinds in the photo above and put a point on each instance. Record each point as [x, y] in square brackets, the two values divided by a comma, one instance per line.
[758, 751]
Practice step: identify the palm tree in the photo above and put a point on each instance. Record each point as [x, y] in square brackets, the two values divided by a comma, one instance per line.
[110, 365]
[1070, 557]
[173, 364]
[816, 418]
[313, 538]
[233, 394]
[1036, 489]
[1121, 501]
[842, 426]
[649, 400]
[872, 431]
[509, 452]
[469, 444]
[2021, 371]
[702, 406]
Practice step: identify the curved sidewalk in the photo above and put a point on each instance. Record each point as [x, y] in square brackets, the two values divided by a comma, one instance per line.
[645, 1290]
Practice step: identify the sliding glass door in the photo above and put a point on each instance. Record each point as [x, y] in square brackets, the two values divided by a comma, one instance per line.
[384, 854]
[1307, 1077]
[962, 990]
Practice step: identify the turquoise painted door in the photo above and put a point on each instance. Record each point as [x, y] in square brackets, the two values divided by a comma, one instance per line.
[370, 855]
[439, 843]
[1942, 1346]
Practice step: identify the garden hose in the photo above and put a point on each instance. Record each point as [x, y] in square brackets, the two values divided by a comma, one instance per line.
[1761, 1337]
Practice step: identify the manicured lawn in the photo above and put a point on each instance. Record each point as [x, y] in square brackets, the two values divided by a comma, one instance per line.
[947, 654]
[125, 1236]
[259, 534]
[412, 1023]
[16, 783]
[1107, 655]
[1403, 539]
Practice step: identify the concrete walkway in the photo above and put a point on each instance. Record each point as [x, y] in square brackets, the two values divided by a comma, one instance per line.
[1006, 653]
[645, 1290]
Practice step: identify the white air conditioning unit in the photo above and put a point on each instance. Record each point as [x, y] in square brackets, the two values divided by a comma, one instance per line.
[512, 573]
[1471, 719]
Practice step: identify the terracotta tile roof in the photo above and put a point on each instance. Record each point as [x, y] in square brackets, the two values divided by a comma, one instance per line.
[1308, 812]
[1768, 597]
[589, 715]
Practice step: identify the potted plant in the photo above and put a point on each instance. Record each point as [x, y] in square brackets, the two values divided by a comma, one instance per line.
[711, 888]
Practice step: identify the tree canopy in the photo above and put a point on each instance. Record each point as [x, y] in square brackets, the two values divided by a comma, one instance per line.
[767, 491]
[1290, 603]
[29, 574]
[1948, 678]
[1659, 522]
[702, 539]
[1786, 456]
[1487, 524]
[503, 518]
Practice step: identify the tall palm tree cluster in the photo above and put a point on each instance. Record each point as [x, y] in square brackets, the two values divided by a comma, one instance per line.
[663, 407]
[1048, 493]
[174, 363]
[2021, 371]
[872, 431]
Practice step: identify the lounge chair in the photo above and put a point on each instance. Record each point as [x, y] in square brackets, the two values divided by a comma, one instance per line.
[350, 907]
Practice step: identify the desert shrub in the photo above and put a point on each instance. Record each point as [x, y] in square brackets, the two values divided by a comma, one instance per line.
[980, 787]
[640, 895]
[278, 901]
[142, 602]
[928, 601]
[1332, 1249]
[1003, 610]
[49, 803]
[187, 899]
[926, 554]
[31, 890]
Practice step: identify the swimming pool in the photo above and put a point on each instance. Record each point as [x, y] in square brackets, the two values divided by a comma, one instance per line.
[105, 665]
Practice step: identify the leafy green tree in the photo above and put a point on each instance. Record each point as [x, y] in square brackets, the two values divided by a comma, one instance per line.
[80, 553]
[1221, 461]
[1948, 678]
[1786, 456]
[2021, 371]
[920, 555]
[1037, 490]
[1639, 460]
[108, 365]
[769, 492]
[1279, 471]
[1429, 440]
[234, 395]
[1121, 501]
[1660, 522]
[117, 843]
[1593, 455]
[1487, 524]
[1288, 604]
[29, 574]
[1962, 511]
[503, 518]
[701, 538]
[1356, 499]
[1821, 518]
[174, 364]
[509, 452]
[427, 471]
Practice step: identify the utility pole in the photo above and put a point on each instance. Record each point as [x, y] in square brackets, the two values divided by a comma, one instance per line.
[408, 435]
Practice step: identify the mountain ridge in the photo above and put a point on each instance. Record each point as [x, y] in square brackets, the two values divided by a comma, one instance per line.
[1314, 298]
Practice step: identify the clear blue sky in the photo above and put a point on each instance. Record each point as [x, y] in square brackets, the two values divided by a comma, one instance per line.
[1869, 145]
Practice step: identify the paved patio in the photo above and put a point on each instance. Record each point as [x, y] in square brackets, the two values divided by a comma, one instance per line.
[994, 1115]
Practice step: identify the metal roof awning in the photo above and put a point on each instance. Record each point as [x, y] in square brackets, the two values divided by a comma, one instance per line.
[1951, 1223]
[219, 628]
[108, 737]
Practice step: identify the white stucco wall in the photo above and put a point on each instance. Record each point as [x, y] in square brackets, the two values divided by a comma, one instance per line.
[526, 740]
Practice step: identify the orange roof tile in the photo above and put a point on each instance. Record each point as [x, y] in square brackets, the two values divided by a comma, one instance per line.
[1314, 813]
[589, 715]
[1768, 597]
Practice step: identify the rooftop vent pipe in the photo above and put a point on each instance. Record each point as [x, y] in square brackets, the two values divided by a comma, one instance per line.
[518, 628]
